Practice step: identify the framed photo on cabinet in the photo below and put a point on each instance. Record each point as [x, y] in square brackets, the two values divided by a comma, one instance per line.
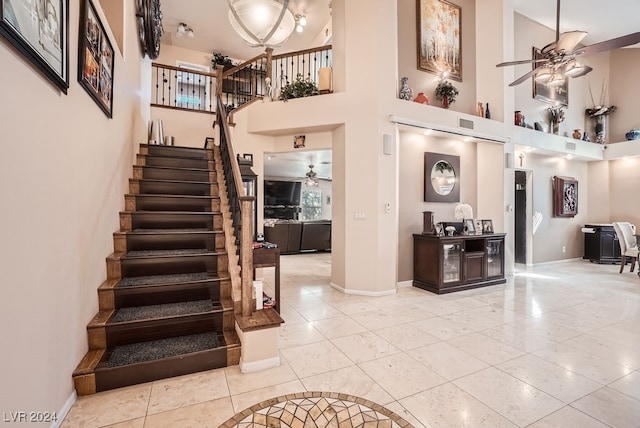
[565, 196]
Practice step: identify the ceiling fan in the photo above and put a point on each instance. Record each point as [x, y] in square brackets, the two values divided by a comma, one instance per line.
[558, 59]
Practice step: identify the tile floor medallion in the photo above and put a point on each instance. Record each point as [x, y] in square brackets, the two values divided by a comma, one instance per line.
[316, 410]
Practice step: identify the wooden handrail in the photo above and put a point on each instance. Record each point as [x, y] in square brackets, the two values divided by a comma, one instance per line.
[306, 51]
[184, 70]
[244, 64]
[237, 177]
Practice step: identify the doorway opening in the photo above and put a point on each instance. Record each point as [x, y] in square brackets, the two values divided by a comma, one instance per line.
[523, 217]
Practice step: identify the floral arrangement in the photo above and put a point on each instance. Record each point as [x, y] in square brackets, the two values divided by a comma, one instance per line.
[446, 90]
[299, 88]
[600, 109]
[450, 230]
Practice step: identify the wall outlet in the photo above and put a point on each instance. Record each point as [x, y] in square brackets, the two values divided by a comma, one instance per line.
[564, 249]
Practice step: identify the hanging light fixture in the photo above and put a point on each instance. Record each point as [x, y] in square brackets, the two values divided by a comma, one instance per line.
[184, 30]
[262, 23]
[301, 21]
[311, 180]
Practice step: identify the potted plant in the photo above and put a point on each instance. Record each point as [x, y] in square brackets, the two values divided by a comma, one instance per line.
[298, 88]
[220, 59]
[446, 93]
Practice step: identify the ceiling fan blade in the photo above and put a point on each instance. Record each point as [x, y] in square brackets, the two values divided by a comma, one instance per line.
[618, 42]
[569, 40]
[524, 61]
[585, 69]
[526, 76]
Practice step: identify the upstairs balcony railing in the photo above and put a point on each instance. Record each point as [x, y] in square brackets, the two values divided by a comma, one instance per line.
[186, 89]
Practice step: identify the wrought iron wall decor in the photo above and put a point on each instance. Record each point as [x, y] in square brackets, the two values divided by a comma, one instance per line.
[40, 31]
[565, 196]
[149, 26]
[95, 59]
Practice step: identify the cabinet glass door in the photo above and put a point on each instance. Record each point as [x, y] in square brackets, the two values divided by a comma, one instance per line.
[495, 257]
[452, 262]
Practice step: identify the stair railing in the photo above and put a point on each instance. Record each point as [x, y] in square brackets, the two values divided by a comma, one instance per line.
[182, 88]
[306, 63]
[240, 206]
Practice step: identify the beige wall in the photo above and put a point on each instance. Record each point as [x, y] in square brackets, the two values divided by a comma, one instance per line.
[557, 232]
[422, 81]
[413, 145]
[625, 93]
[625, 176]
[63, 174]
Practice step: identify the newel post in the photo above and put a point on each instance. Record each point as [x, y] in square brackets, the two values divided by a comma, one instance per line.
[246, 254]
[219, 71]
[268, 70]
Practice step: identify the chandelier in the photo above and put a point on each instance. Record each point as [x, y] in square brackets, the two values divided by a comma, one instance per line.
[311, 180]
[262, 23]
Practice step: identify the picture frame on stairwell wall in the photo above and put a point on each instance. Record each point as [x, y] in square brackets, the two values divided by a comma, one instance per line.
[95, 58]
[39, 31]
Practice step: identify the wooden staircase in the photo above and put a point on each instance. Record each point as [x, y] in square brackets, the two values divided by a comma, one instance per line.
[166, 307]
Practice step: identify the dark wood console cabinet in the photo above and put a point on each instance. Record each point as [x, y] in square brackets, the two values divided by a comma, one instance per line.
[443, 264]
[601, 244]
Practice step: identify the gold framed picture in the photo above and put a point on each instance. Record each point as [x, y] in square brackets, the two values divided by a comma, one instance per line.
[439, 31]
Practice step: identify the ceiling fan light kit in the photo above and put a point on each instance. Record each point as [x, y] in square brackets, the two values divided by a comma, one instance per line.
[559, 57]
[262, 23]
[312, 180]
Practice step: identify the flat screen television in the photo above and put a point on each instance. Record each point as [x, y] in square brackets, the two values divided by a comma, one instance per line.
[282, 192]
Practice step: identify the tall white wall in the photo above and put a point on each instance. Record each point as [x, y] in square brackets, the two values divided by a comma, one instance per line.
[63, 172]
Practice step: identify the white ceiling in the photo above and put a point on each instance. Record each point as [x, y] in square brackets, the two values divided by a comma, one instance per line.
[296, 164]
[603, 20]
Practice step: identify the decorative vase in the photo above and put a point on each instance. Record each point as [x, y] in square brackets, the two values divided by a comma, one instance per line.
[554, 127]
[585, 136]
[405, 90]
[445, 102]
[421, 98]
[634, 134]
[576, 134]
[518, 118]
[601, 128]
[487, 113]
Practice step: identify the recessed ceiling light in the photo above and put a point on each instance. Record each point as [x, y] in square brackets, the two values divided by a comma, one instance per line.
[427, 132]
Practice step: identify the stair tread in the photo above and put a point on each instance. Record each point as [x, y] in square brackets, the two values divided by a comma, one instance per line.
[169, 253]
[181, 168]
[158, 349]
[161, 180]
[141, 231]
[165, 310]
[158, 280]
[170, 195]
[193, 149]
[165, 212]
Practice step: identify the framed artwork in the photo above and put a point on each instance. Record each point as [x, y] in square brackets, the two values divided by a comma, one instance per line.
[487, 226]
[298, 141]
[557, 94]
[565, 196]
[95, 59]
[441, 177]
[439, 31]
[439, 229]
[478, 226]
[39, 30]
[469, 226]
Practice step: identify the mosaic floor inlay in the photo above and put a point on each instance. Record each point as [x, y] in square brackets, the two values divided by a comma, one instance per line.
[316, 410]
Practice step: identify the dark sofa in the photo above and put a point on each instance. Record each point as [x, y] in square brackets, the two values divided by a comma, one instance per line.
[293, 236]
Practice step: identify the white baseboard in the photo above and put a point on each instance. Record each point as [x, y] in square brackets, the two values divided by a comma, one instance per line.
[405, 284]
[62, 413]
[259, 365]
[362, 292]
[555, 262]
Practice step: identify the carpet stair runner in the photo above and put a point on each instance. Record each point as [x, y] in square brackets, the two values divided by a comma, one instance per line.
[165, 308]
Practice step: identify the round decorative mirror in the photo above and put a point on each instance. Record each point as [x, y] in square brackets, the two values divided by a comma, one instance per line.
[443, 177]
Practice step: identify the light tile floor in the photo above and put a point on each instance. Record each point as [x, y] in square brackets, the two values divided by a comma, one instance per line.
[556, 346]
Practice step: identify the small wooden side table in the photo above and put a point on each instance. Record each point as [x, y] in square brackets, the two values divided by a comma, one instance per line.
[268, 257]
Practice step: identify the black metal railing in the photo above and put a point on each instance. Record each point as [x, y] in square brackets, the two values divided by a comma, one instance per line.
[286, 67]
[244, 82]
[182, 88]
[231, 178]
